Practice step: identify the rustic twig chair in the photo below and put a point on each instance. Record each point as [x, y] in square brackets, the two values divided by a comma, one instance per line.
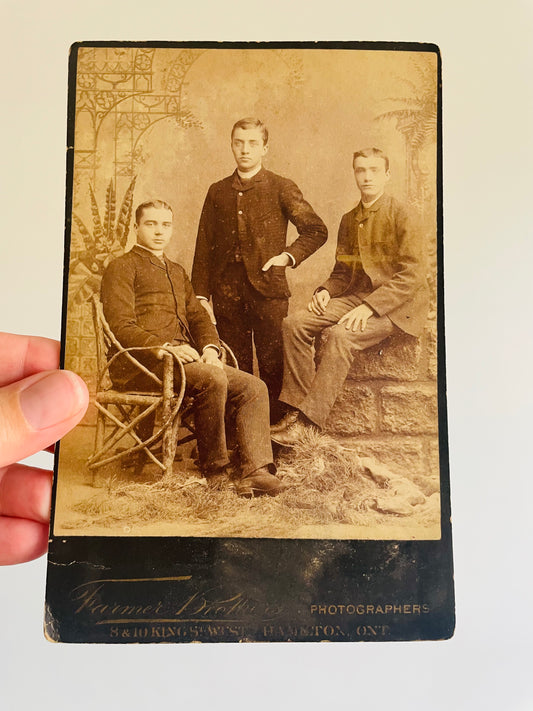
[120, 412]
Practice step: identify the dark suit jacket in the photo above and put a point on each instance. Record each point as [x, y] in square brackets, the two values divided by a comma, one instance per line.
[148, 303]
[252, 217]
[380, 257]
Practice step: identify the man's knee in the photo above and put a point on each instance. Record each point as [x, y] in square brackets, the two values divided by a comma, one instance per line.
[252, 387]
[295, 324]
[341, 338]
[217, 378]
[208, 378]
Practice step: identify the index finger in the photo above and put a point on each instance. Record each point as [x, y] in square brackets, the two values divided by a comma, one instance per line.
[21, 356]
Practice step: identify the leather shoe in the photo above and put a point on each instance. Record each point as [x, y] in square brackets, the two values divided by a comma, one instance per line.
[288, 419]
[259, 483]
[294, 432]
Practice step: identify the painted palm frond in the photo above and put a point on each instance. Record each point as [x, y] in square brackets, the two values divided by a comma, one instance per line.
[107, 240]
[109, 219]
[88, 239]
[97, 223]
[125, 215]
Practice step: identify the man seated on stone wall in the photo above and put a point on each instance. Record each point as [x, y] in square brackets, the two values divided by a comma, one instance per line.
[377, 288]
[148, 301]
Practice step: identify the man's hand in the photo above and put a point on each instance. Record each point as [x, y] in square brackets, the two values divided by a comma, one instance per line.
[185, 353]
[210, 357]
[357, 318]
[38, 405]
[207, 306]
[319, 302]
[280, 260]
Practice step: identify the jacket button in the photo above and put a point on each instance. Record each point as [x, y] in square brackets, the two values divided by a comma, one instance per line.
[240, 194]
[240, 212]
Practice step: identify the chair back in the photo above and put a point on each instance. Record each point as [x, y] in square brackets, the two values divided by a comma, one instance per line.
[104, 340]
[106, 343]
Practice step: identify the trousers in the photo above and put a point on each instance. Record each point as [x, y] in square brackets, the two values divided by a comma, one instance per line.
[227, 404]
[311, 388]
[246, 317]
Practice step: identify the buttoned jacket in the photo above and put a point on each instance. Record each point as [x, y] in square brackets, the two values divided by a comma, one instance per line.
[150, 302]
[380, 257]
[251, 217]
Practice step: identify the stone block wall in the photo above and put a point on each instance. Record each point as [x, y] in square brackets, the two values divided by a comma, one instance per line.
[80, 349]
[388, 408]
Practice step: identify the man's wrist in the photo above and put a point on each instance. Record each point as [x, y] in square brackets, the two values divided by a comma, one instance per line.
[292, 260]
[213, 347]
[373, 311]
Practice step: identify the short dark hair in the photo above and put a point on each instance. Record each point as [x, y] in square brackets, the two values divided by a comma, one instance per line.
[251, 122]
[368, 153]
[158, 204]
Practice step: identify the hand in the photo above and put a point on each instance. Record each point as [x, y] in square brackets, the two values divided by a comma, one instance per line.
[280, 260]
[319, 302]
[208, 308]
[185, 353]
[210, 356]
[38, 405]
[357, 318]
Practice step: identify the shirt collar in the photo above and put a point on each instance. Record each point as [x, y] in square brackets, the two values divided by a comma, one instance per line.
[366, 205]
[246, 183]
[160, 262]
[248, 176]
[362, 212]
[159, 255]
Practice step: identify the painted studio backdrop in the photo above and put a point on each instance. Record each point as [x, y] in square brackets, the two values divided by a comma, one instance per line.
[155, 123]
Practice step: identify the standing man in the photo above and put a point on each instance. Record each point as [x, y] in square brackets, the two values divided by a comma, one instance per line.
[241, 254]
[377, 288]
[148, 302]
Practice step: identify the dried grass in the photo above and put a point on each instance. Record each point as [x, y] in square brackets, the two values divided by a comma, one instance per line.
[327, 483]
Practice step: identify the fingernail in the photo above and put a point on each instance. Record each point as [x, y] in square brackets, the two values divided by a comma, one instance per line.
[50, 400]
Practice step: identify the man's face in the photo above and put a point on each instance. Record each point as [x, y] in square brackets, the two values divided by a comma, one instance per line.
[248, 148]
[155, 228]
[370, 176]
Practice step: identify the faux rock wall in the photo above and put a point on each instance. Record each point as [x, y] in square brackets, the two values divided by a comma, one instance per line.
[389, 409]
[80, 350]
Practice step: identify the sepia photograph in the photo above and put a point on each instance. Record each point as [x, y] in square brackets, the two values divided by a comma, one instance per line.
[252, 293]
[123, 137]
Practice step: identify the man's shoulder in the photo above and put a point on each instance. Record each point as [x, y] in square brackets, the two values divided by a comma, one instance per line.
[392, 204]
[222, 184]
[277, 179]
[351, 213]
[121, 261]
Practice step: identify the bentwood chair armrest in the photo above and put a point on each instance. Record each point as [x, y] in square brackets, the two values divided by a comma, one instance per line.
[228, 356]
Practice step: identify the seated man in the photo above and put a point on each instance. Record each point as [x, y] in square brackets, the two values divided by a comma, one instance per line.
[377, 288]
[148, 301]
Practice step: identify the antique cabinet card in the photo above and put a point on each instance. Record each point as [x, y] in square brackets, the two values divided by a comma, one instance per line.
[351, 540]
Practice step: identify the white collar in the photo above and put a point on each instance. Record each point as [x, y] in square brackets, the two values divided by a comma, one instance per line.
[247, 176]
[369, 204]
[159, 254]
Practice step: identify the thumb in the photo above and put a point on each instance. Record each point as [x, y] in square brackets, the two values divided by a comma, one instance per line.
[39, 410]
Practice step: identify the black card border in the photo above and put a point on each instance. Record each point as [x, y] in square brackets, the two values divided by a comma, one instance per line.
[272, 571]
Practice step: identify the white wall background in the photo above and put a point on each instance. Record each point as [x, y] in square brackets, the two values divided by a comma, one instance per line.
[488, 115]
